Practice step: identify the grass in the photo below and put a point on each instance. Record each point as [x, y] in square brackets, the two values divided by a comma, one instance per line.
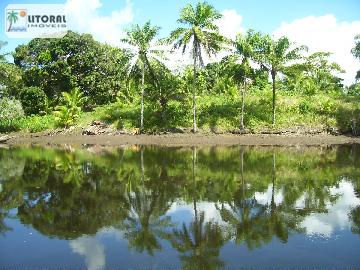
[222, 113]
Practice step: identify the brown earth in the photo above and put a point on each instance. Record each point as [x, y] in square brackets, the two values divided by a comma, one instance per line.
[76, 138]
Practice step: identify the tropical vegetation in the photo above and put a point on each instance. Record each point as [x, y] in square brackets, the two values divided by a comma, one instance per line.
[254, 83]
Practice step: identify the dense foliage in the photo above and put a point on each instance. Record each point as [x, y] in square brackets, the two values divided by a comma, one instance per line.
[134, 86]
[33, 100]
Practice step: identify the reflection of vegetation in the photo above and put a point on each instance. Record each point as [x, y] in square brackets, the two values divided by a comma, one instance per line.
[145, 221]
[66, 194]
[200, 244]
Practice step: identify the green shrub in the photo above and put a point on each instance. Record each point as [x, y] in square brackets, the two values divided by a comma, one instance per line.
[304, 106]
[36, 123]
[33, 100]
[10, 113]
[69, 112]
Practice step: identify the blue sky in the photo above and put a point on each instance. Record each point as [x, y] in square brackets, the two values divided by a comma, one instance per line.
[316, 22]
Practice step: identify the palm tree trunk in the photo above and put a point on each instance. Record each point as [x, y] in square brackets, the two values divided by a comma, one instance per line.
[242, 105]
[142, 164]
[142, 100]
[273, 73]
[242, 176]
[194, 180]
[194, 91]
[273, 185]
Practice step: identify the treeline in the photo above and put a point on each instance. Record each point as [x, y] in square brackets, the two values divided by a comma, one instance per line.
[76, 73]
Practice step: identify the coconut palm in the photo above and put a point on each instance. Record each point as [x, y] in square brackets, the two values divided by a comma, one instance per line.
[12, 18]
[245, 48]
[140, 40]
[201, 34]
[274, 56]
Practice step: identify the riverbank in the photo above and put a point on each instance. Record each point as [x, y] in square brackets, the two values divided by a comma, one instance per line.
[178, 139]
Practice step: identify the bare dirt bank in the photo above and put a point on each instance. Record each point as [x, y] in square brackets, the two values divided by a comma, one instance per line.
[187, 139]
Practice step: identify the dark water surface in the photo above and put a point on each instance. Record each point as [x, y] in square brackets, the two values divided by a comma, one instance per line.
[180, 208]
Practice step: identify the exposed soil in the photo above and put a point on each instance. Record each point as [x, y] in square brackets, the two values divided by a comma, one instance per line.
[76, 138]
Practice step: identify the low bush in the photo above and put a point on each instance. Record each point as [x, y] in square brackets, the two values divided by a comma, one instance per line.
[11, 112]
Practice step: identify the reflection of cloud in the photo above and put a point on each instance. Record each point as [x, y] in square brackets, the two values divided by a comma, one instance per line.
[338, 213]
[92, 250]
[111, 232]
[209, 209]
[264, 198]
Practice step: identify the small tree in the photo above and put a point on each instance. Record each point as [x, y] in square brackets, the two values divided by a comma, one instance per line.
[68, 113]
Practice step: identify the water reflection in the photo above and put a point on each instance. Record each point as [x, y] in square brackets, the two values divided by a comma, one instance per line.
[189, 205]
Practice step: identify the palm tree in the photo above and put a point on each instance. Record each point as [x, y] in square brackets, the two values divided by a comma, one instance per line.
[143, 49]
[201, 33]
[245, 48]
[12, 18]
[274, 56]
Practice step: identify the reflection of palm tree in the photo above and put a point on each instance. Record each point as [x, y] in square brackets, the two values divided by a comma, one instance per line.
[245, 216]
[203, 241]
[3, 227]
[12, 18]
[279, 221]
[145, 222]
[355, 218]
[72, 167]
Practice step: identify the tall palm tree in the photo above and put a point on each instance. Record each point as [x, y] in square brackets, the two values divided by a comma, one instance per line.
[274, 56]
[201, 34]
[245, 48]
[12, 18]
[143, 47]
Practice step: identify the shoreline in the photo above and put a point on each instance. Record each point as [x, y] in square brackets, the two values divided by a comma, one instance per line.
[179, 139]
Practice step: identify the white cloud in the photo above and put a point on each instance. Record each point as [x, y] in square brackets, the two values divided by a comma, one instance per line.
[230, 24]
[92, 250]
[85, 18]
[325, 33]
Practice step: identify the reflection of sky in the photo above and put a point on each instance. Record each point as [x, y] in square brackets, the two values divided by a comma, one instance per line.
[337, 217]
[324, 224]
[264, 198]
[92, 250]
[181, 212]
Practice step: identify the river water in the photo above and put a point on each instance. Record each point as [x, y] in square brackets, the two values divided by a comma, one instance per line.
[180, 208]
